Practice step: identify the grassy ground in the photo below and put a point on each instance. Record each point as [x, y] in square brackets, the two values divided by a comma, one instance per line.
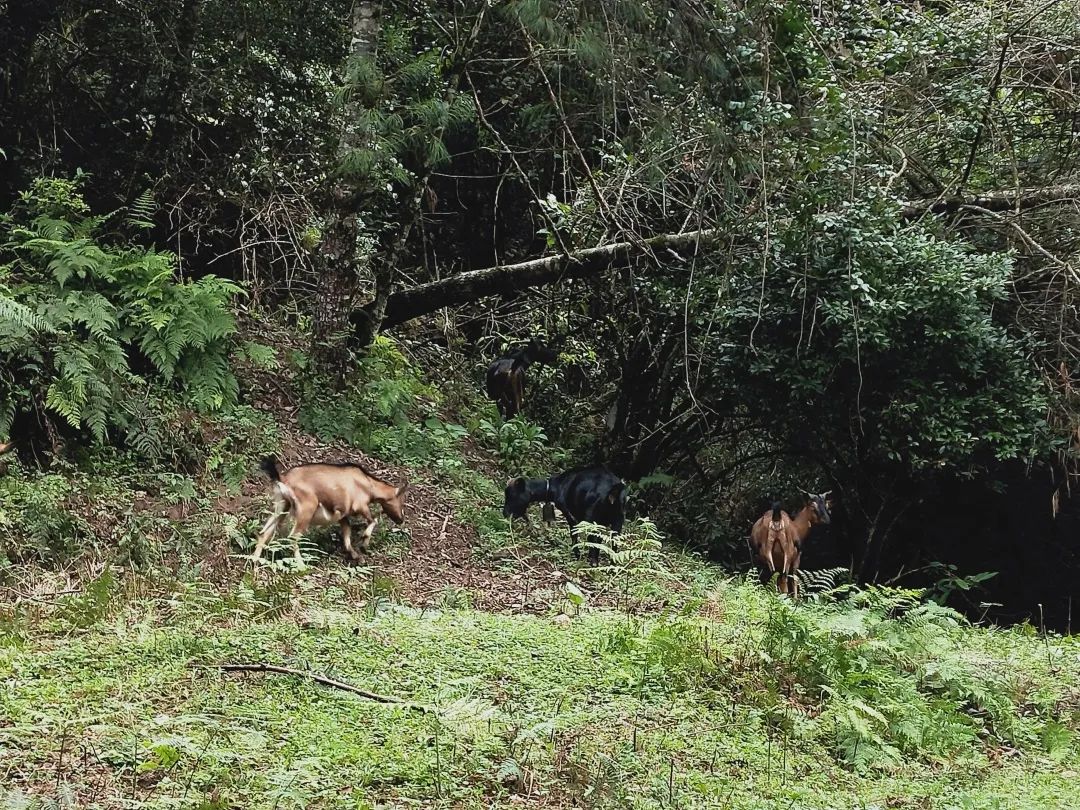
[658, 682]
[114, 698]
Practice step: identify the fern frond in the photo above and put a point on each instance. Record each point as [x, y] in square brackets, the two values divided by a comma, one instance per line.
[141, 211]
[17, 318]
[822, 580]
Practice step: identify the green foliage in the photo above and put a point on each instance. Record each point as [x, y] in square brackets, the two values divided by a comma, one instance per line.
[517, 442]
[948, 581]
[863, 701]
[896, 679]
[240, 439]
[378, 411]
[35, 521]
[81, 312]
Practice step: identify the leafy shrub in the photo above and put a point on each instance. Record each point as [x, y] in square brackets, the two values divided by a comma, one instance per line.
[892, 677]
[88, 321]
[517, 441]
[34, 520]
[376, 412]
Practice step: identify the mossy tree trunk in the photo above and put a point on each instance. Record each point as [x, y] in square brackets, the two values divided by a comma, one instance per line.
[339, 261]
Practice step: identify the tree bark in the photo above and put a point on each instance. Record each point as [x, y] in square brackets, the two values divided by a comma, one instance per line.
[337, 276]
[1012, 200]
[476, 284]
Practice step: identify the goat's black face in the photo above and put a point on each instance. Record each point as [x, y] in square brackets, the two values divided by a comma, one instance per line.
[539, 353]
[821, 505]
[516, 500]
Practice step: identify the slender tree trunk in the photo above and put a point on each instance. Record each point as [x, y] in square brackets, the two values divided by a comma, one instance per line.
[369, 321]
[170, 104]
[338, 263]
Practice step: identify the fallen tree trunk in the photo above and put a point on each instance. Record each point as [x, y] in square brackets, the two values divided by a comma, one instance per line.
[1013, 200]
[476, 284]
[473, 285]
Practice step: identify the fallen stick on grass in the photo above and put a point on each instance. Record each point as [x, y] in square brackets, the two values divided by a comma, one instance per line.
[312, 676]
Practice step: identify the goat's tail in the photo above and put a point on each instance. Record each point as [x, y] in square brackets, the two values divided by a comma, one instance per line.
[776, 512]
[269, 465]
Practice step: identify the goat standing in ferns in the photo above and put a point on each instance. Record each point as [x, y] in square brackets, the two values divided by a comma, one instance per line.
[322, 494]
[777, 538]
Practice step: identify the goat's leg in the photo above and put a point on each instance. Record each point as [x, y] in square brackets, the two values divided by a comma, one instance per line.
[518, 392]
[796, 561]
[365, 539]
[788, 562]
[267, 532]
[300, 526]
[346, 538]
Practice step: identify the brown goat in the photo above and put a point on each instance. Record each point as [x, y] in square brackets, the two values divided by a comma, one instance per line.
[321, 494]
[776, 540]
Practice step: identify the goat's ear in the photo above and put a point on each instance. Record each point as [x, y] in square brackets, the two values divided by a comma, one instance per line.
[401, 490]
[514, 482]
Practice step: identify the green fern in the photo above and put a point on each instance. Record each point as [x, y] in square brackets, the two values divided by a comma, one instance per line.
[822, 580]
[83, 306]
[141, 211]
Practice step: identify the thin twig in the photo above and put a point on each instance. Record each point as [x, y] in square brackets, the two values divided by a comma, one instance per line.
[322, 679]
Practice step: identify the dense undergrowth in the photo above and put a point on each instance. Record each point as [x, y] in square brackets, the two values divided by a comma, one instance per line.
[656, 680]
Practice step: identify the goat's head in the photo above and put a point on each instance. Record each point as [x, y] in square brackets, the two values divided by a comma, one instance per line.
[820, 507]
[394, 506]
[539, 352]
[516, 501]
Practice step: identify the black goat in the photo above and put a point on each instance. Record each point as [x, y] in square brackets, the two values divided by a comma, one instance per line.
[593, 494]
[506, 376]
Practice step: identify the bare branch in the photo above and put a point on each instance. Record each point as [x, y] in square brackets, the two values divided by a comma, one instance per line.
[322, 679]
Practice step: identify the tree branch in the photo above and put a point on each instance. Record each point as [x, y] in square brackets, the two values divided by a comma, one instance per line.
[1012, 200]
[322, 679]
[475, 284]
